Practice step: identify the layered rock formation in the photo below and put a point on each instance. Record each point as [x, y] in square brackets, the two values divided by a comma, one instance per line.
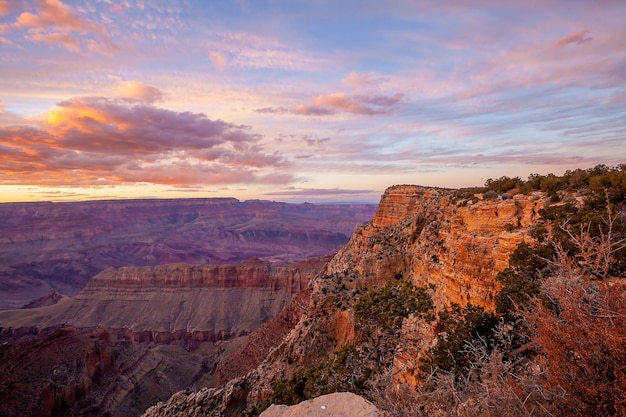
[455, 248]
[60, 246]
[163, 328]
[206, 302]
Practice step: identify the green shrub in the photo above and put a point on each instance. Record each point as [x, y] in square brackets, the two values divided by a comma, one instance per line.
[344, 371]
[517, 291]
[460, 329]
[386, 307]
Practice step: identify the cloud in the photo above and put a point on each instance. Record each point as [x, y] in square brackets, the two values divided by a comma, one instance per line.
[249, 50]
[360, 82]
[69, 42]
[6, 7]
[273, 110]
[367, 104]
[138, 91]
[365, 99]
[53, 13]
[97, 141]
[219, 60]
[56, 23]
[309, 110]
[119, 7]
[577, 38]
[293, 191]
[314, 141]
[9, 118]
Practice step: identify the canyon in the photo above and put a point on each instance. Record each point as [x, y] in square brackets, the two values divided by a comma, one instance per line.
[135, 335]
[58, 247]
[453, 247]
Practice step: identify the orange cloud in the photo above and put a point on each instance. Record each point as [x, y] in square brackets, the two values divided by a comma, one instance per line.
[95, 141]
[138, 91]
[57, 23]
[6, 7]
[578, 38]
[53, 13]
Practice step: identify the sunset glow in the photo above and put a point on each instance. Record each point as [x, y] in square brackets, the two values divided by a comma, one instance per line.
[303, 101]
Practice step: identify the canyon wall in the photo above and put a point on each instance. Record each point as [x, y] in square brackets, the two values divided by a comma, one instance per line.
[454, 247]
[60, 246]
[210, 302]
[162, 328]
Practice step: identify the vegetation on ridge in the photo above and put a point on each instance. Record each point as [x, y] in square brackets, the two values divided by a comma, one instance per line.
[555, 344]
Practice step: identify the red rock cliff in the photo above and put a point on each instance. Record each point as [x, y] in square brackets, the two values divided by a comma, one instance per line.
[455, 247]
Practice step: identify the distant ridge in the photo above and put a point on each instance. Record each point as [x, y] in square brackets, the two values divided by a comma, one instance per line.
[46, 246]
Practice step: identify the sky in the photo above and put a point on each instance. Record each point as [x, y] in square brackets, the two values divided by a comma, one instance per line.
[318, 101]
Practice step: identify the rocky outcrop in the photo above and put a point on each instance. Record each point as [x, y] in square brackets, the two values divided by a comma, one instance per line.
[90, 372]
[60, 246]
[454, 248]
[252, 273]
[339, 404]
[48, 300]
[262, 341]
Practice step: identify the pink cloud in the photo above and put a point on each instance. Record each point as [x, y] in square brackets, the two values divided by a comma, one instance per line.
[361, 104]
[53, 13]
[368, 81]
[67, 41]
[577, 38]
[95, 141]
[119, 7]
[6, 7]
[219, 60]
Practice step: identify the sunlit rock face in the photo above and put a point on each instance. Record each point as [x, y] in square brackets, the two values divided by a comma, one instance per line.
[453, 247]
[61, 246]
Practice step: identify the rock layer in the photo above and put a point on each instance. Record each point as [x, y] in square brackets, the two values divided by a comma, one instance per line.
[60, 246]
[163, 328]
[209, 302]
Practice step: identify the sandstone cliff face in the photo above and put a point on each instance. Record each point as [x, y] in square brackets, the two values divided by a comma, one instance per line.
[453, 248]
[457, 249]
